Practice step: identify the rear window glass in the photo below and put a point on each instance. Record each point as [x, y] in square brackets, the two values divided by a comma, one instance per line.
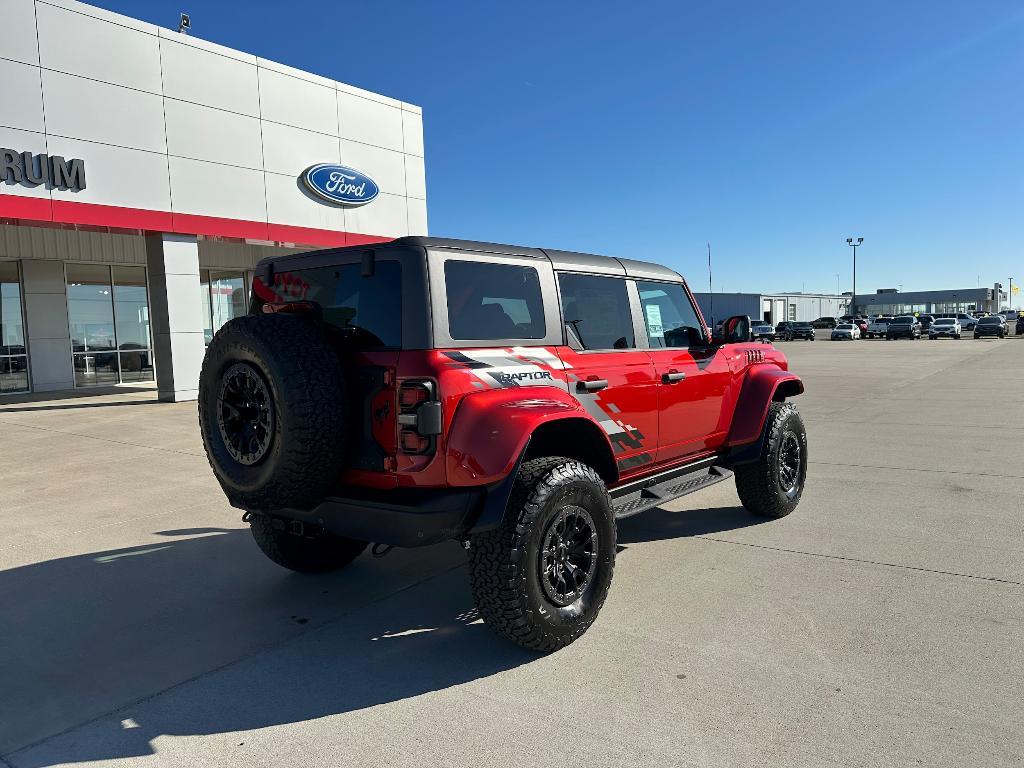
[491, 302]
[990, 321]
[369, 309]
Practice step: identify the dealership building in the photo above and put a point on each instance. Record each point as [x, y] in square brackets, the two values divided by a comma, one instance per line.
[144, 172]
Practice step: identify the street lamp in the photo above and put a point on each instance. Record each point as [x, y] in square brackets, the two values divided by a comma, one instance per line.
[853, 296]
[1009, 294]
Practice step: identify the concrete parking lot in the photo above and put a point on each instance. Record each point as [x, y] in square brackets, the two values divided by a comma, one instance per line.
[880, 624]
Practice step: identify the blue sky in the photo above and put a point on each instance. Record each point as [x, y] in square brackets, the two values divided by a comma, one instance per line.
[772, 130]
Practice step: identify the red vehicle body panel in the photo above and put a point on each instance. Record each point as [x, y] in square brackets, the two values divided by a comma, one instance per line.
[494, 399]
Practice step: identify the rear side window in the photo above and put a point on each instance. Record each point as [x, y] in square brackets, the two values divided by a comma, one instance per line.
[368, 309]
[491, 302]
[670, 317]
[596, 311]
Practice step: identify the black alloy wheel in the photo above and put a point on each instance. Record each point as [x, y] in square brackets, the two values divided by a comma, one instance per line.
[789, 463]
[245, 414]
[568, 557]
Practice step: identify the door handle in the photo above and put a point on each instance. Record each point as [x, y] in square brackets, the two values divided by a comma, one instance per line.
[672, 377]
[591, 385]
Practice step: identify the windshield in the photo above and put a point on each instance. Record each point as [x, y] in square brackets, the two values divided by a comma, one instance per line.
[991, 320]
[903, 321]
[844, 327]
[945, 321]
[801, 325]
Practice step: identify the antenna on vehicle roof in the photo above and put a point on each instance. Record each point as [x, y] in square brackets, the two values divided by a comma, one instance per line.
[711, 290]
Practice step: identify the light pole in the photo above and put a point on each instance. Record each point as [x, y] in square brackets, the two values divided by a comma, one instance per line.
[853, 295]
[1009, 294]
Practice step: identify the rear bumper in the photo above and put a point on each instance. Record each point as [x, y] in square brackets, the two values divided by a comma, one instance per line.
[401, 517]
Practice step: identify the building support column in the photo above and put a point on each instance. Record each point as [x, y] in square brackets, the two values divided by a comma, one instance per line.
[46, 325]
[177, 315]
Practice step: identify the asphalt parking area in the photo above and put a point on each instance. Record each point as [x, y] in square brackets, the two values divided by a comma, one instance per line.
[880, 624]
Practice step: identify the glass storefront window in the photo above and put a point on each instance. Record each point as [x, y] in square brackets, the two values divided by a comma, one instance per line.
[223, 296]
[108, 312]
[13, 353]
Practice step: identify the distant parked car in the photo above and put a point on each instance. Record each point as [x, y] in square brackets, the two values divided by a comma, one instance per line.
[790, 330]
[763, 332]
[905, 326]
[967, 322]
[925, 321]
[824, 322]
[845, 331]
[992, 325]
[862, 325]
[1019, 329]
[878, 327]
[944, 326]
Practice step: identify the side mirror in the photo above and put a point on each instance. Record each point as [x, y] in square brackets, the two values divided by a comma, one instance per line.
[734, 330]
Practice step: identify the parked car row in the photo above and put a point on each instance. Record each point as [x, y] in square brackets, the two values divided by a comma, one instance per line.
[934, 326]
[784, 331]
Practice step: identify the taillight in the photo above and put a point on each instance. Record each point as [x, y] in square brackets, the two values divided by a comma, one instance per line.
[419, 416]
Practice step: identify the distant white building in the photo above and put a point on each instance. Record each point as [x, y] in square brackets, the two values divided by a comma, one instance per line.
[772, 308]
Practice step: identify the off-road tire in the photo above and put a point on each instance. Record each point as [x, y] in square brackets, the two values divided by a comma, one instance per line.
[758, 483]
[504, 564]
[321, 553]
[311, 404]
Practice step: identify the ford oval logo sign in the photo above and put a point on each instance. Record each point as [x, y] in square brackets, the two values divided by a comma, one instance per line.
[340, 185]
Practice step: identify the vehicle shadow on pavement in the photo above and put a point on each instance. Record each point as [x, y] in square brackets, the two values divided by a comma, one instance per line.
[659, 524]
[233, 642]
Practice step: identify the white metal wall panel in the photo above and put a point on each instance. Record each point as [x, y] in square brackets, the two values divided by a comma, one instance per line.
[212, 79]
[204, 133]
[417, 210]
[386, 166]
[290, 151]
[415, 177]
[369, 121]
[107, 114]
[412, 132]
[386, 216]
[289, 100]
[113, 173]
[26, 142]
[288, 204]
[19, 93]
[83, 45]
[18, 40]
[209, 189]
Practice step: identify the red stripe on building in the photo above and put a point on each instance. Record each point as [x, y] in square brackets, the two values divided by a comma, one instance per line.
[36, 211]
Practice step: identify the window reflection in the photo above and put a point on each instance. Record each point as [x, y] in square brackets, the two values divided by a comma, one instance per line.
[108, 312]
[224, 295]
[13, 353]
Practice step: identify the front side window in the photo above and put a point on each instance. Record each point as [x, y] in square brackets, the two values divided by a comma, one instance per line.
[490, 302]
[670, 317]
[596, 312]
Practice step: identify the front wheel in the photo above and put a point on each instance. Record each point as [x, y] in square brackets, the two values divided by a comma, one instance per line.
[541, 577]
[772, 485]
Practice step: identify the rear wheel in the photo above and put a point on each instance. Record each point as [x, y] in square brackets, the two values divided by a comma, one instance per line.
[772, 485]
[300, 549]
[541, 577]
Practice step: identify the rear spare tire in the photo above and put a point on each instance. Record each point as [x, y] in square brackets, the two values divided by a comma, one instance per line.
[273, 411]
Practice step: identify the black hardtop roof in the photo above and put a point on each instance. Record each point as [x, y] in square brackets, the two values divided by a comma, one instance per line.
[561, 260]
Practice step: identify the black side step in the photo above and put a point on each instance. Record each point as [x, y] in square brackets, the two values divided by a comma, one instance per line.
[633, 502]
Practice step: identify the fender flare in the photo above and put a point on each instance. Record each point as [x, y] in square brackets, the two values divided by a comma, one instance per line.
[762, 386]
[491, 429]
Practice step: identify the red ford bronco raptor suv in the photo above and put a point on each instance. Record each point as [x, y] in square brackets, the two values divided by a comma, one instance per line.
[518, 400]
